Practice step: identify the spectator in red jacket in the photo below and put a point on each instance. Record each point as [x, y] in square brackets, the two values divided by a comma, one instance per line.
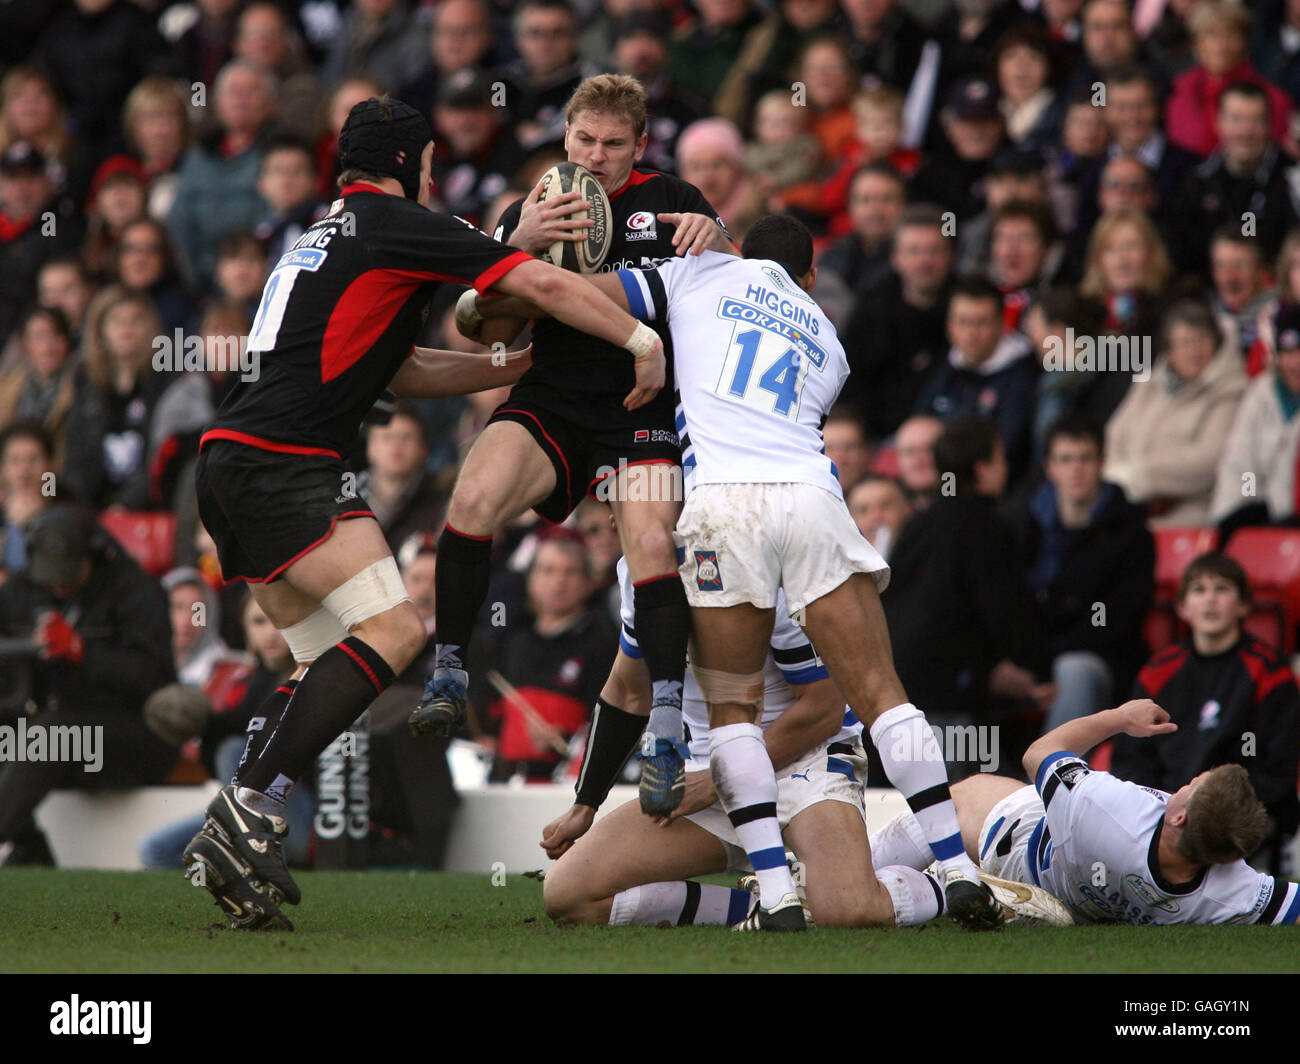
[1233, 698]
[558, 659]
[1219, 32]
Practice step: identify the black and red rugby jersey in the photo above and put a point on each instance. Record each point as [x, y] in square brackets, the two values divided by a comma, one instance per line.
[571, 364]
[341, 311]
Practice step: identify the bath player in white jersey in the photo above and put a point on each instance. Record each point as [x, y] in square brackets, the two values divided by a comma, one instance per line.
[1112, 851]
[628, 870]
[758, 366]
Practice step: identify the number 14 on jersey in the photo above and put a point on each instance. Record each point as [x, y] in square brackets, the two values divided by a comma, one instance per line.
[764, 370]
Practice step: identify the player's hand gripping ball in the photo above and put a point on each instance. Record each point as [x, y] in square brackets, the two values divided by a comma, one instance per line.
[587, 254]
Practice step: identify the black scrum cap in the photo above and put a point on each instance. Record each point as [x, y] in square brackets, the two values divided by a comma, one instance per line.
[385, 138]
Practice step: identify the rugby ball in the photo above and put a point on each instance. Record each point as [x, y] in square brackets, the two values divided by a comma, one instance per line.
[586, 255]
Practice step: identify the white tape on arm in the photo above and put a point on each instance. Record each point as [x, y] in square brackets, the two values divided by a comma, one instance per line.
[642, 341]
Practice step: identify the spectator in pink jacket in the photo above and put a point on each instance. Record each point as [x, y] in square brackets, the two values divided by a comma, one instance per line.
[1219, 30]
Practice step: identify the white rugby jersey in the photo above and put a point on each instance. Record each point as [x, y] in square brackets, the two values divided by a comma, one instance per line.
[758, 366]
[1096, 851]
[790, 660]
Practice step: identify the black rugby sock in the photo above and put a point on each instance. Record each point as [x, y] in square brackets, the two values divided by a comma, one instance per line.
[333, 693]
[461, 585]
[662, 618]
[261, 727]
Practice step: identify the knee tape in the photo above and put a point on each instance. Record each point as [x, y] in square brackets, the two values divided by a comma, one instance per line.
[375, 589]
[311, 637]
[745, 689]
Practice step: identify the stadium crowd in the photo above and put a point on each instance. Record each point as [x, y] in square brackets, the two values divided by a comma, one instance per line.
[1060, 240]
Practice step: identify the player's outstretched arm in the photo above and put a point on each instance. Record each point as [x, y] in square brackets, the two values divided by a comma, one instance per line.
[474, 307]
[432, 372]
[1140, 718]
[621, 715]
[817, 714]
[566, 297]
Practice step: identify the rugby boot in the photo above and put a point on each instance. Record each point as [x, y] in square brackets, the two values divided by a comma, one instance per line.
[970, 903]
[1025, 905]
[249, 904]
[255, 839]
[442, 709]
[663, 774]
[786, 915]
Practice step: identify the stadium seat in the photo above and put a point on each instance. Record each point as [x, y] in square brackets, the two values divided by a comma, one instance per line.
[1175, 549]
[1162, 627]
[1268, 623]
[1100, 757]
[149, 537]
[1271, 558]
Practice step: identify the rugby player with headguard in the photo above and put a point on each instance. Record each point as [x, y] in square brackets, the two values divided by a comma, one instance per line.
[336, 327]
[564, 430]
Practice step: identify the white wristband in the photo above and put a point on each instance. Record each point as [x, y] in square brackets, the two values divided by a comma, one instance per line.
[642, 341]
[467, 316]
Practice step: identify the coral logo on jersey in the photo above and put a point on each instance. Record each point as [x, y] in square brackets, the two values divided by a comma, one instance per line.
[641, 226]
[707, 575]
[641, 436]
[797, 331]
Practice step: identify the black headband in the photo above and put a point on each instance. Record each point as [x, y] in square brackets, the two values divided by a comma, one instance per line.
[385, 139]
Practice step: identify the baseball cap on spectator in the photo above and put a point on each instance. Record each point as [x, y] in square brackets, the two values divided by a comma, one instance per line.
[648, 21]
[22, 157]
[1287, 327]
[112, 170]
[973, 99]
[1018, 161]
[465, 89]
[58, 541]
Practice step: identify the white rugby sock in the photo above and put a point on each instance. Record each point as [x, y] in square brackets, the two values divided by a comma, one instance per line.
[679, 904]
[901, 842]
[746, 785]
[914, 764]
[917, 897]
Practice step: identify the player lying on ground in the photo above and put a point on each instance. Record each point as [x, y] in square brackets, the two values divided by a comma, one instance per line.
[1112, 851]
[335, 327]
[564, 429]
[761, 368]
[628, 870]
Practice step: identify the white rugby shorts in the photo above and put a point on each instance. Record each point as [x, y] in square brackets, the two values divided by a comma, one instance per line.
[1004, 835]
[743, 541]
[835, 771]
